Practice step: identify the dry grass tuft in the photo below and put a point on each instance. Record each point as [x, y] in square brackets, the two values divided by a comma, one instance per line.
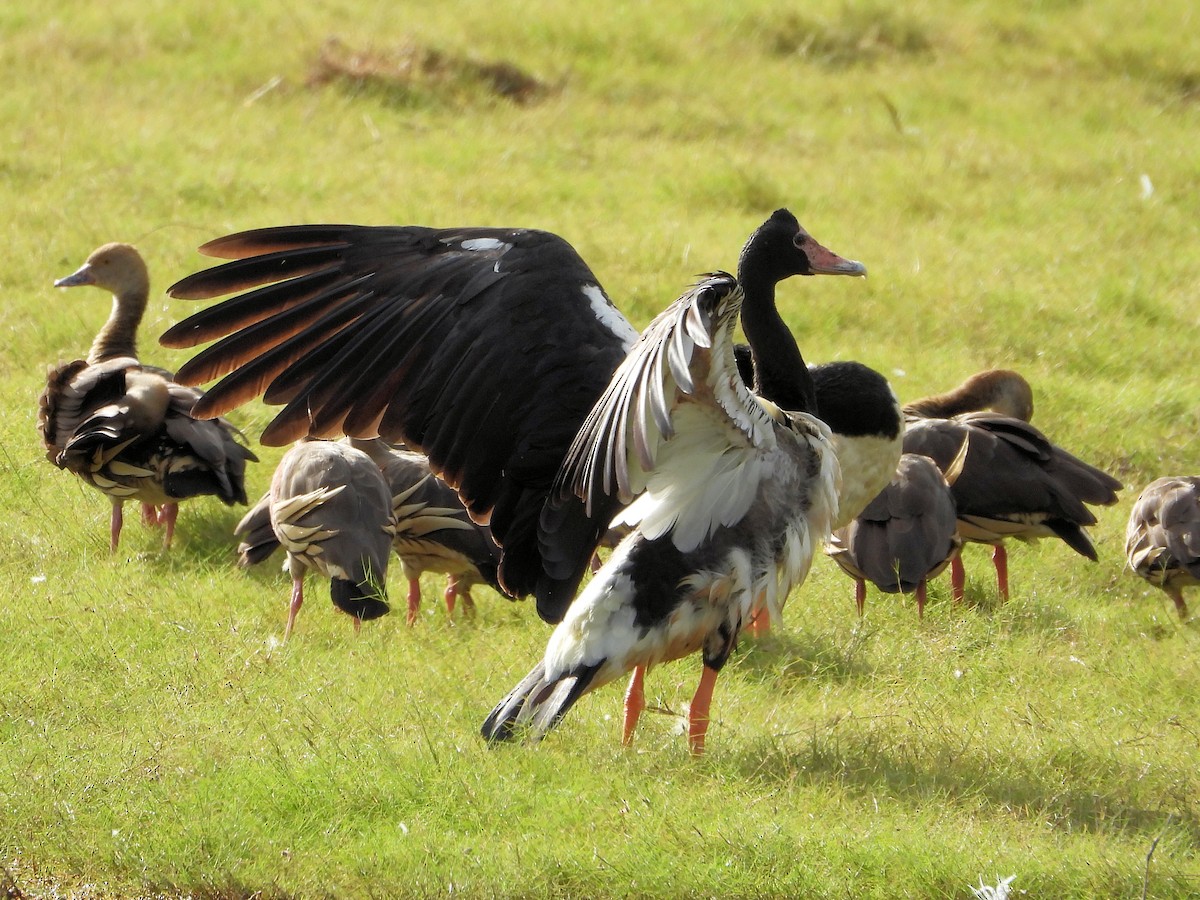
[860, 36]
[411, 72]
[1173, 80]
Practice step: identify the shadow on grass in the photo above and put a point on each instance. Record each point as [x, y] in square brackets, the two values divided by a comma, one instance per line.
[783, 658]
[874, 761]
[1023, 614]
[203, 535]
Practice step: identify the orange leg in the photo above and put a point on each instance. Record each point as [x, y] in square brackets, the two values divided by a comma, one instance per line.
[921, 599]
[698, 711]
[635, 702]
[760, 622]
[1000, 561]
[455, 592]
[149, 514]
[166, 517]
[414, 600]
[860, 595]
[958, 579]
[294, 608]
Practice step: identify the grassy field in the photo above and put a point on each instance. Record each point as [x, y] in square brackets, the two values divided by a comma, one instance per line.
[1020, 180]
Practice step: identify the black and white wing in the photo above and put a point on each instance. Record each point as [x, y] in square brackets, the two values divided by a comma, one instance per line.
[677, 433]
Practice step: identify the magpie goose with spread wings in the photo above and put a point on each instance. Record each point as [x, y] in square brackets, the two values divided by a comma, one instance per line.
[484, 348]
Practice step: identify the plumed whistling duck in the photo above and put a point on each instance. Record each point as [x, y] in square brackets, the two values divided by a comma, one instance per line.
[331, 511]
[906, 535]
[434, 533]
[126, 429]
[496, 353]
[1015, 483]
[1162, 540]
[1001, 391]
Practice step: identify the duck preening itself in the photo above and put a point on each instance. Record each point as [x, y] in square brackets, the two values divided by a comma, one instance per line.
[1162, 540]
[1015, 482]
[496, 353]
[125, 428]
[1001, 391]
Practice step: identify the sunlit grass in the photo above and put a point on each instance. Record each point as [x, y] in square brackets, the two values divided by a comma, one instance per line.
[1020, 181]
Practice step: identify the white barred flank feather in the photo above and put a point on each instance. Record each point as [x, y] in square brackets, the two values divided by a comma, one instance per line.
[290, 509]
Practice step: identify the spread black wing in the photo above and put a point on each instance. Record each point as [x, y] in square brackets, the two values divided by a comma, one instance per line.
[485, 348]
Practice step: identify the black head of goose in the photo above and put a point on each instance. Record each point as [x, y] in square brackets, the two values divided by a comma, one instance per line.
[331, 511]
[1015, 482]
[126, 428]
[866, 421]
[1162, 539]
[858, 405]
[495, 352]
[434, 533]
[906, 535]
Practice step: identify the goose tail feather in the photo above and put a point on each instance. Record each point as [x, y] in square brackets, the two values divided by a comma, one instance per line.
[536, 704]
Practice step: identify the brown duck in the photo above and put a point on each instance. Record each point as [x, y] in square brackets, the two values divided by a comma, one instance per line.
[1162, 541]
[125, 428]
[906, 535]
[434, 533]
[1015, 482]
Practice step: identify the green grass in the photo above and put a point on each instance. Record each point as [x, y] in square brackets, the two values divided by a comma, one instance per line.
[985, 161]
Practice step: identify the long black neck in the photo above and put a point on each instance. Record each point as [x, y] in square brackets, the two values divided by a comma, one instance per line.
[780, 374]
